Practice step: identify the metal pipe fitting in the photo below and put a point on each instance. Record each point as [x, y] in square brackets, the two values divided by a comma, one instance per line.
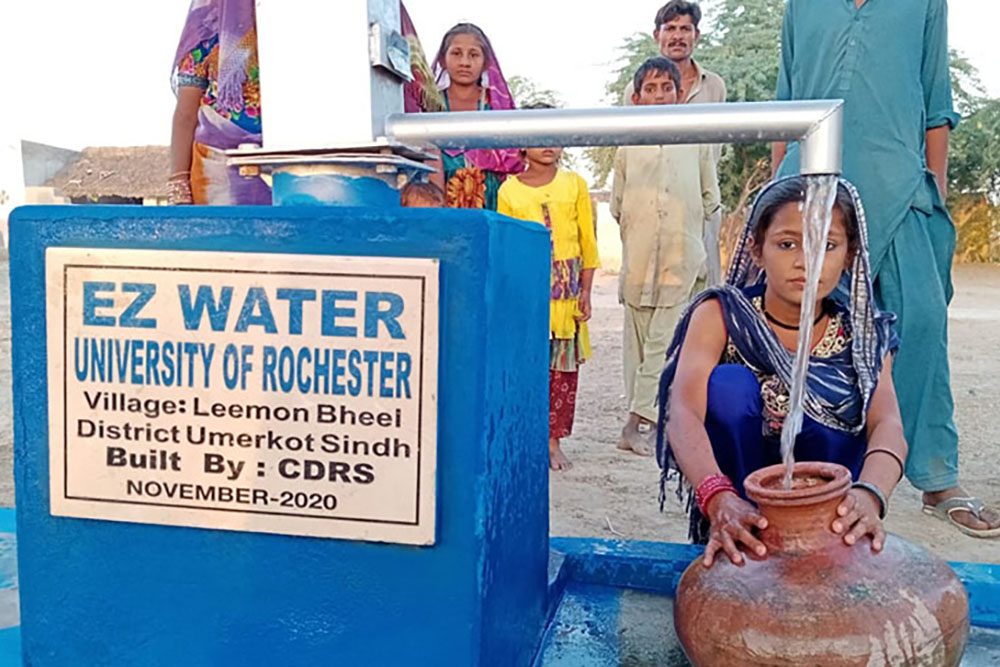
[816, 124]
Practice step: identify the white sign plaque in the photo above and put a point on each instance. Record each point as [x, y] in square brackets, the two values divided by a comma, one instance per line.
[291, 394]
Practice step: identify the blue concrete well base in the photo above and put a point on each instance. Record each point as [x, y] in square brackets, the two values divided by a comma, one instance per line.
[110, 593]
[489, 592]
[610, 603]
[322, 189]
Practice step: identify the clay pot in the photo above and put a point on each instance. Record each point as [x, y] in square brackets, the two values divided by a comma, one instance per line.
[814, 600]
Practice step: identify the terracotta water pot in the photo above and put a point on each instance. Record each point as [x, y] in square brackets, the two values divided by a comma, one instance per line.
[814, 600]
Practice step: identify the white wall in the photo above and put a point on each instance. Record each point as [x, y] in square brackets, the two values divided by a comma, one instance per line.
[609, 240]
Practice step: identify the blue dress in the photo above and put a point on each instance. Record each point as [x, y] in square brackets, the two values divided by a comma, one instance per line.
[748, 401]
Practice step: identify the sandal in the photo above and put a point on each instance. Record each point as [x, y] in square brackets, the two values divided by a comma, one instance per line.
[974, 506]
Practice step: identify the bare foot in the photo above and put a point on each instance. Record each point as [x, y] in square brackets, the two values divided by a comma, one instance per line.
[638, 436]
[557, 460]
[989, 518]
[629, 432]
[643, 446]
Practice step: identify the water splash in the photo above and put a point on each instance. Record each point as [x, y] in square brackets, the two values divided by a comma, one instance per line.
[817, 213]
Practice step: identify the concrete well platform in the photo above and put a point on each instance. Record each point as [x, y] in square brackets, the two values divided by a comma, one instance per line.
[610, 603]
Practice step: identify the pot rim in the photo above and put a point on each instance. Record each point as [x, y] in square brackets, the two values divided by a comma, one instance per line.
[838, 481]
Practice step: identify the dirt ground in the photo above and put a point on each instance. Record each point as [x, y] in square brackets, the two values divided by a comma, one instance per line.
[611, 494]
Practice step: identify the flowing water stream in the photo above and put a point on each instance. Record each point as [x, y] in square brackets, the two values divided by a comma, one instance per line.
[817, 213]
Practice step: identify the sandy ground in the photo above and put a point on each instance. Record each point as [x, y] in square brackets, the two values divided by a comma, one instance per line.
[613, 494]
[610, 493]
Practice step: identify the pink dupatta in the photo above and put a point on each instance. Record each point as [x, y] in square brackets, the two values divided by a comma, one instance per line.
[497, 97]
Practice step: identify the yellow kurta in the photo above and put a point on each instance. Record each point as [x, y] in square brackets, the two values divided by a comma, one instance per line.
[574, 243]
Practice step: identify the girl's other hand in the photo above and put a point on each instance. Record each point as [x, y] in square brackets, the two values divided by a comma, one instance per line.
[857, 516]
[732, 520]
[584, 306]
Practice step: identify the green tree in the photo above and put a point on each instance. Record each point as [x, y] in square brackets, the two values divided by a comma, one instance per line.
[526, 92]
[966, 87]
[974, 155]
[744, 48]
[974, 166]
[742, 44]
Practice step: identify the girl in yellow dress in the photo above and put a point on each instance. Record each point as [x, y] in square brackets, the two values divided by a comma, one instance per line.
[559, 199]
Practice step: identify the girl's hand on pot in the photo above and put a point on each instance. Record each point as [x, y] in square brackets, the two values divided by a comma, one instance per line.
[858, 516]
[732, 520]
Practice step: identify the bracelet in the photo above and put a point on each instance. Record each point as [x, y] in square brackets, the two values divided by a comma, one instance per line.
[710, 487]
[179, 192]
[185, 175]
[883, 504]
[884, 450]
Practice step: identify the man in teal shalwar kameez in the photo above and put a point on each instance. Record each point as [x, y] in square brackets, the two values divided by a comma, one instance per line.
[888, 60]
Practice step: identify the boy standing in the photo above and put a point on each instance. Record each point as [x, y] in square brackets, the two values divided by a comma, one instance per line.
[676, 31]
[662, 197]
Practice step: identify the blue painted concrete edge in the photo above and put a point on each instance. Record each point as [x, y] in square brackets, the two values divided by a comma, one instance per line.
[982, 581]
[8, 550]
[650, 566]
[657, 567]
[558, 578]
[10, 646]
[7, 520]
[586, 629]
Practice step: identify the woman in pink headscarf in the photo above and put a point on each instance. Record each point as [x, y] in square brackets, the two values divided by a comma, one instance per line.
[216, 79]
[469, 76]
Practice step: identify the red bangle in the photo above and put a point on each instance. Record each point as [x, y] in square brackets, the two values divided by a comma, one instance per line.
[709, 488]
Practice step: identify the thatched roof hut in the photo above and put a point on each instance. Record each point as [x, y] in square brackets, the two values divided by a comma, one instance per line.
[111, 173]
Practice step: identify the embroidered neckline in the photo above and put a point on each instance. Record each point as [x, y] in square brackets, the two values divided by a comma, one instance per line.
[833, 341]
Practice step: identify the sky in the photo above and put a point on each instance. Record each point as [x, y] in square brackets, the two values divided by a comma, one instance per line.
[81, 73]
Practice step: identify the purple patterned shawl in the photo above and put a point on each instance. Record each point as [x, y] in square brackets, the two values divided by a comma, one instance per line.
[231, 20]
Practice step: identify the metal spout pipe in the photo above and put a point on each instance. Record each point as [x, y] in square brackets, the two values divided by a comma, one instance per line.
[816, 124]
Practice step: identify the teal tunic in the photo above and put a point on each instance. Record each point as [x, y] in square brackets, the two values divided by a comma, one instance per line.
[888, 61]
